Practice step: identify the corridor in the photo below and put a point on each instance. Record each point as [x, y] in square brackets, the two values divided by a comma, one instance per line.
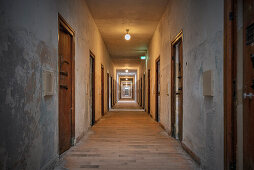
[127, 84]
[127, 140]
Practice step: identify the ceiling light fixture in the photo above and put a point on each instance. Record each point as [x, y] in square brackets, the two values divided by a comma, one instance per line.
[126, 79]
[127, 35]
[126, 71]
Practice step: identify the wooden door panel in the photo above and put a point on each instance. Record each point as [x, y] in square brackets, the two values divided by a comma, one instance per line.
[65, 90]
[248, 100]
[157, 89]
[148, 94]
[102, 91]
[177, 88]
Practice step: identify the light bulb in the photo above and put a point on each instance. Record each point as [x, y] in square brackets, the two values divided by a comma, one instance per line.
[126, 71]
[127, 36]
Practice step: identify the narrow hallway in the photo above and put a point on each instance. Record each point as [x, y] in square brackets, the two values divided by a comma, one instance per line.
[127, 84]
[127, 140]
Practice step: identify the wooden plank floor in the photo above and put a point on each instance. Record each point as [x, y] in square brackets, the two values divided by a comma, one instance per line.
[127, 140]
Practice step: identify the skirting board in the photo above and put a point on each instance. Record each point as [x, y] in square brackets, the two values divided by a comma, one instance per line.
[192, 154]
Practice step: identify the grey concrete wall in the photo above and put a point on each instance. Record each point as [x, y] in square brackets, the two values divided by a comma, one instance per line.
[202, 25]
[28, 45]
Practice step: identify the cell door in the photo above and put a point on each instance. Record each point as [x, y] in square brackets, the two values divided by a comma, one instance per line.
[148, 92]
[65, 88]
[177, 89]
[92, 89]
[248, 88]
[102, 90]
[141, 92]
[144, 87]
[108, 85]
[157, 115]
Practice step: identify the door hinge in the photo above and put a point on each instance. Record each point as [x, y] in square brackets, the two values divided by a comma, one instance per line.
[231, 16]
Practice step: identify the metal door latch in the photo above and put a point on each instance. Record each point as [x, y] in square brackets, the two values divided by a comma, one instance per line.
[250, 95]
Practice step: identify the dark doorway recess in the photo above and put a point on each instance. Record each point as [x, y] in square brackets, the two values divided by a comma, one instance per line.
[248, 84]
[177, 87]
[66, 85]
[148, 92]
[102, 90]
[92, 88]
[157, 85]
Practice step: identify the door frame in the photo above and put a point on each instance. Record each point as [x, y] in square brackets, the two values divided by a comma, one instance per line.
[93, 92]
[62, 22]
[102, 90]
[157, 89]
[148, 91]
[177, 39]
[230, 69]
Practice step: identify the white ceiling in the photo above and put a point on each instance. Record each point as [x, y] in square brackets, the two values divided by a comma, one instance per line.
[113, 17]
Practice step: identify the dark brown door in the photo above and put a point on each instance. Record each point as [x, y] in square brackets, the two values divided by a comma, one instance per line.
[177, 88]
[248, 96]
[108, 91]
[65, 88]
[141, 92]
[144, 89]
[157, 84]
[92, 89]
[148, 92]
[111, 91]
[102, 90]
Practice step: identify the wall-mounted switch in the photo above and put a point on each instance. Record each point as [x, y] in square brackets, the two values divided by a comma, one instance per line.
[48, 82]
[208, 83]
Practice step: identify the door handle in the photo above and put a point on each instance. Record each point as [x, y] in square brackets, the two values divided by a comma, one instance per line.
[250, 95]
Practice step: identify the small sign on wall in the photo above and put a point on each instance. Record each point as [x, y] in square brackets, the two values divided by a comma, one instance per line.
[208, 83]
[48, 82]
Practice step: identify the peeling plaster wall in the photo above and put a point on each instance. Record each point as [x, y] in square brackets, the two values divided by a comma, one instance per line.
[202, 25]
[29, 45]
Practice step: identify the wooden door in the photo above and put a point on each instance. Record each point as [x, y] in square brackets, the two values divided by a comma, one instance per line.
[66, 113]
[177, 88]
[111, 95]
[157, 84]
[144, 89]
[92, 89]
[141, 92]
[248, 86]
[108, 91]
[102, 90]
[148, 92]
